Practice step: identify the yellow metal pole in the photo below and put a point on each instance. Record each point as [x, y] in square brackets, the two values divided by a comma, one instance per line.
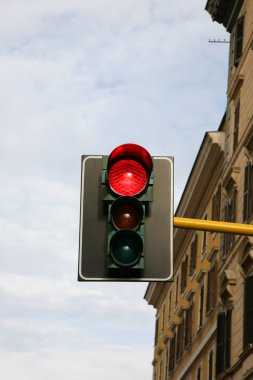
[213, 226]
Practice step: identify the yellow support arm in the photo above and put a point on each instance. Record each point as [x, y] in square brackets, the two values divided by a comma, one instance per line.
[213, 226]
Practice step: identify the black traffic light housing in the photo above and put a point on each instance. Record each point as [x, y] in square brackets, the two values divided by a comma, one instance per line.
[127, 184]
[126, 235]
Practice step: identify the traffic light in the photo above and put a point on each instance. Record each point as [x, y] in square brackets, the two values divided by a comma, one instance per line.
[127, 190]
[126, 216]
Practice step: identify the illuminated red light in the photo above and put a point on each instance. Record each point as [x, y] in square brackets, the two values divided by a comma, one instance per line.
[129, 168]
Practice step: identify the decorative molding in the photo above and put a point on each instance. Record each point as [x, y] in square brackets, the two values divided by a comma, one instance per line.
[174, 322]
[190, 294]
[236, 86]
[248, 375]
[246, 259]
[231, 179]
[213, 254]
[184, 304]
[227, 286]
[167, 337]
[201, 274]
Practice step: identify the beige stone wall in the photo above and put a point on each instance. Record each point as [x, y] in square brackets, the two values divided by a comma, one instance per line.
[229, 172]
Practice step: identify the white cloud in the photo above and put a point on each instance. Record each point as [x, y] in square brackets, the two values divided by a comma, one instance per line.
[96, 362]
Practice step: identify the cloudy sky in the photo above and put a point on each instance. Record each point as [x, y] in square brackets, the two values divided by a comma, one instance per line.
[81, 77]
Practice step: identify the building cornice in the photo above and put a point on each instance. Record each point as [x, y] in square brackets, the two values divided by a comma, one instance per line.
[206, 168]
[202, 179]
[224, 12]
[154, 291]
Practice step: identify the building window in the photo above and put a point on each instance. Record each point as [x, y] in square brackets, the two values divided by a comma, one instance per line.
[154, 372]
[204, 240]
[248, 193]
[201, 305]
[223, 341]
[166, 366]
[193, 255]
[188, 324]
[169, 306]
[156, 330]
[163, 320]
[210, 365]
[229, 216]
[248, 311]
[176, 291]
[160, 367]
[184, 274]
[216, 203]
[238, 40]
[172, 352]
[199, 373]
[180, 337]
[236, 123]
[211, 288]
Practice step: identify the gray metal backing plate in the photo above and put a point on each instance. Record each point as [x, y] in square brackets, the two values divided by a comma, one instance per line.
[158, 246]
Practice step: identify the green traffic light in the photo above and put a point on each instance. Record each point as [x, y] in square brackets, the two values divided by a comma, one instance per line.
[126, 247]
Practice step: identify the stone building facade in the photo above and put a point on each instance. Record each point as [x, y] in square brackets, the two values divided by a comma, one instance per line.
[204, 320]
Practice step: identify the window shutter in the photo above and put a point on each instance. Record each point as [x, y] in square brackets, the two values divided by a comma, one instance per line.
[226, 236]
[246, 194]
[185, 271]
[250, 191]
[182, 276]
[228, 337]
[232, 217]
[180, 339]
[220, 343]
[236, 124]
[248, 311]
[233, 206]
[214, 206]
[238, 40]
[194, 245]
[172, 354]
[218, 197]
[199, 373]
[156, 330]
[201, 304]
[214, 284]
[210, 366]
[209, 291]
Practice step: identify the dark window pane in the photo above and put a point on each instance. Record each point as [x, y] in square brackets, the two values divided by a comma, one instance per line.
[248, 311]
[238, 40]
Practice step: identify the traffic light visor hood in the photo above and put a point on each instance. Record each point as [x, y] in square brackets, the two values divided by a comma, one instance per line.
[128, 169]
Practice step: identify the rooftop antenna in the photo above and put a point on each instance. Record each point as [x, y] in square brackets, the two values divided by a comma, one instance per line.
[219, 41]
